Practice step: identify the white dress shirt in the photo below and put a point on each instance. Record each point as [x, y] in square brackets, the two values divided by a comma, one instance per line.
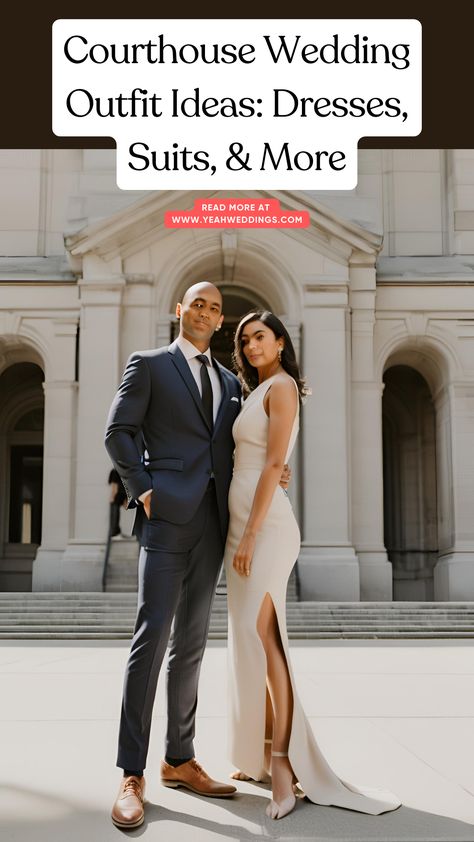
[190, 352]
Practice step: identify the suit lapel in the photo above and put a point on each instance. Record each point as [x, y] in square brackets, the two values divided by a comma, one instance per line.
[182, 365]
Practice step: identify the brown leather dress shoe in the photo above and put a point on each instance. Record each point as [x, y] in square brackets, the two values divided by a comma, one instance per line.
[128, 809]
[193, 777]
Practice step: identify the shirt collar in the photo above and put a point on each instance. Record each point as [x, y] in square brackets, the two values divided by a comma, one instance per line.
[189, 350]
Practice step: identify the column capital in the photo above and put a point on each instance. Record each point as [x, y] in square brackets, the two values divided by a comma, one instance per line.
[374, 386]
[66, 326]
[462, 388]
[51, 385]
[147, 279]
[362, 273]
[326, 295]
[103, 294]
[363, 260]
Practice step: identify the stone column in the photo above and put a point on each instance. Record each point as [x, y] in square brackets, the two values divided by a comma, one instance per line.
[327, 566]
[59, 427]
[162, 331]
[294, 329]
[454, 572]
[99, 364]
[367, 492]
[366, 438]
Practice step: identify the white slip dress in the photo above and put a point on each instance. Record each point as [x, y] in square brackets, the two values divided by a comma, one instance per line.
[276, 550]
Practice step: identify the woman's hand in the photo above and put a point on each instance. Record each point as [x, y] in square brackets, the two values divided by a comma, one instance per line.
[285, 477]
[243, 557]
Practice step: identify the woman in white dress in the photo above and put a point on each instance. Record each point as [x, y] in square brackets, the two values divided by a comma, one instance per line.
[269, 732]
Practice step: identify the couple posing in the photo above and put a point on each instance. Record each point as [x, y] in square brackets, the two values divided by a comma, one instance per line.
[186, 408]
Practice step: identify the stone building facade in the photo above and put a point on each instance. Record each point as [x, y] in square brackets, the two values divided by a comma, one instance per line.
[378, 296]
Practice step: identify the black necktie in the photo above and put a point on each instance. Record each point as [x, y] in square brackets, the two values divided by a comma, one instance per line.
[206, 390]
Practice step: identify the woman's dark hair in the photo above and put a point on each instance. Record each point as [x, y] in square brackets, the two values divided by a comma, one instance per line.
[247, 373]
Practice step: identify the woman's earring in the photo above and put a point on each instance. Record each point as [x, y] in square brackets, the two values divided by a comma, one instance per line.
[280, 351]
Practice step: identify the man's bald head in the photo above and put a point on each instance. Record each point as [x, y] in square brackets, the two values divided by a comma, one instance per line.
[196, 290]
[200, 313]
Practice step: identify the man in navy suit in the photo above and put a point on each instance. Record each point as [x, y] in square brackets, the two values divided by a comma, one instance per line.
[182, 404]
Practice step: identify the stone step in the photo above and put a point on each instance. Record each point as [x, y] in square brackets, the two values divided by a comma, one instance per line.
[118, 587]
[106, 619]
[292, 613]
[101, 634]
[122, 566]
[216, 633]
[56, 607]
[53, 596]
[112, 615]
[292, 610]
[220, 604]
[304, 610]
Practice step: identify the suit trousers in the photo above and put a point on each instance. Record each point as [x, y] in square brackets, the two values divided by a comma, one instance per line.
[178, 570]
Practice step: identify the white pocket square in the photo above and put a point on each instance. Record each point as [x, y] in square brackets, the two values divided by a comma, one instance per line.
[235, 399]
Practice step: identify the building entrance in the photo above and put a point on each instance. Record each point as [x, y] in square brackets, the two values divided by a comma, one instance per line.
[21, 473]
[410, 483]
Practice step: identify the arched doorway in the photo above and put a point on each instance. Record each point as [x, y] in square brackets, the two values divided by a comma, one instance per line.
[410, 482]
[21, 474]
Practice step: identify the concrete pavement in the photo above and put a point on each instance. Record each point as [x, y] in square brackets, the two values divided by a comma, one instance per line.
[398, 715]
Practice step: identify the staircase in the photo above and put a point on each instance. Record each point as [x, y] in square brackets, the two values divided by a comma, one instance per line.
[111, 615]
[122, 566]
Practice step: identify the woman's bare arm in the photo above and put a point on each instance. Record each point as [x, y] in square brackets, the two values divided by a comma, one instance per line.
[282, 407]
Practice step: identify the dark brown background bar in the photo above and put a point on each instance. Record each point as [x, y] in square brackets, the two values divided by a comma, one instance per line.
[25, 58]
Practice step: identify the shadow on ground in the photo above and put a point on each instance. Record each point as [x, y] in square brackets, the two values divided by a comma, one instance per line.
[38, 816]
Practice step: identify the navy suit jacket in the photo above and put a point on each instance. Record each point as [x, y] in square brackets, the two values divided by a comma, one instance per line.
[158, 409]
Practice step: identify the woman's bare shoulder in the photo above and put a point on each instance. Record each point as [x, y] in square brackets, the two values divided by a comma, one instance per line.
[283, 382]
[281, 390]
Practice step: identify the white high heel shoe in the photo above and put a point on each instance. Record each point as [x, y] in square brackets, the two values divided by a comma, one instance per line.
[278, 811]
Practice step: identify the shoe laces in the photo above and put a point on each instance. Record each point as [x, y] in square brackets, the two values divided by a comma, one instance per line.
[132, 786]
[197, 766]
